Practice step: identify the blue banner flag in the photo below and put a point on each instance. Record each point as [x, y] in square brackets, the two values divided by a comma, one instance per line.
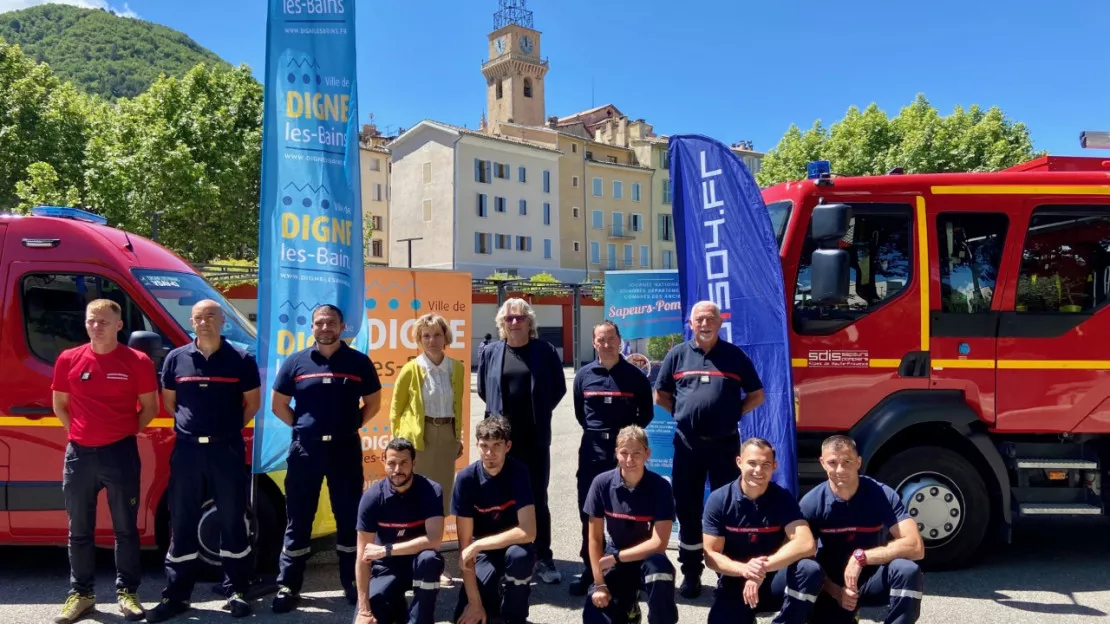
[310, 217]
[728, 254]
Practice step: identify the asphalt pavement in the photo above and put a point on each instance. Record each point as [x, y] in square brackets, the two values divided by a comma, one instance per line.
[1051, 571]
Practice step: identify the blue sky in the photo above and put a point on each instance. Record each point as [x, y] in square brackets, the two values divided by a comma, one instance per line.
[732, 69]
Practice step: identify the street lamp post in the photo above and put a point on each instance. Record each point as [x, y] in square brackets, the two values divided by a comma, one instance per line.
[409, 241]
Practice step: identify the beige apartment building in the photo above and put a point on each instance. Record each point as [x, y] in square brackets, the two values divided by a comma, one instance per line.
[375, 163]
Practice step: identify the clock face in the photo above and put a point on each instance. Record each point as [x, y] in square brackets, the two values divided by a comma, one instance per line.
[526, 44]
[499, 45]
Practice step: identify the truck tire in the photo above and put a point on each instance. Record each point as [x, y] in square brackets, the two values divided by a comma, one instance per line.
[946, 495]
[265, 527]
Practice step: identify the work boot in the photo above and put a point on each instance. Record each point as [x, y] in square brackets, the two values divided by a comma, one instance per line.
[580, 585]
[129, 605]
[75, 606]
[285, 600]
[547, 572]
[165, 610]
[238, 606]
[691, 587]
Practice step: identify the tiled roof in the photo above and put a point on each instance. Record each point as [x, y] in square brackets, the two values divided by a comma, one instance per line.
[494, 137]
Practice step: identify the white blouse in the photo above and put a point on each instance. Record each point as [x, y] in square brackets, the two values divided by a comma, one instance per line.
[439, 397]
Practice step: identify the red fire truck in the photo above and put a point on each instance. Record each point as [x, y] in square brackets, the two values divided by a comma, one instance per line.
[51, 265]
[957, 327]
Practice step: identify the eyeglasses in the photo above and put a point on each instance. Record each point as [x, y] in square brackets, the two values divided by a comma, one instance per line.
[516, 318]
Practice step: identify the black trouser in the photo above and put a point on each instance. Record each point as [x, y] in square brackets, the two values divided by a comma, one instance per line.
[694, 459]
[538, 461]
[391, 577]
[898, 584]
[310, 461]
[791, 591]
[595, 456]
[201, 468]
[504, 584]
[654, 575]
[116, 468]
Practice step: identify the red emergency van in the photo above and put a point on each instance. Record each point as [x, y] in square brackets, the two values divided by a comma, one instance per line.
[957, 327]
[51, 265]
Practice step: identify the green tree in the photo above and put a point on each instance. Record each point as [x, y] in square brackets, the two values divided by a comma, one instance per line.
[918, 139]
[188, 150]
[43, 187]
[658, 346]
[42, 120]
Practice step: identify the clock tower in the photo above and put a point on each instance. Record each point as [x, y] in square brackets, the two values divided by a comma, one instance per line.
[515, 71]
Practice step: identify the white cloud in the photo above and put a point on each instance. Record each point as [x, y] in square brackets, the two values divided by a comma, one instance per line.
[15, 5]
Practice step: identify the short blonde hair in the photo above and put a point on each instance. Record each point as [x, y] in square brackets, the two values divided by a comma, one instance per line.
[525, 309]
[100, 305]
[632, 433]
[432, 320]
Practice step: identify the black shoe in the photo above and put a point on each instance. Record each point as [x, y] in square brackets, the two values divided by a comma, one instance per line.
[690, 588]
[352, 595]
[580, 585]
[237, 606]
[285, 601]
[165, 610]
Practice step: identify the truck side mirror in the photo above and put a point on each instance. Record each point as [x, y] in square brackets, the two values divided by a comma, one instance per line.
[149, 343]
[830, 265]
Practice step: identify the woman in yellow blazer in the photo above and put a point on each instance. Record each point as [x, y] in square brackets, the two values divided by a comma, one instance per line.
[427, 405]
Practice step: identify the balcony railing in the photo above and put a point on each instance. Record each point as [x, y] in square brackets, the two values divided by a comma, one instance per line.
[619, 231]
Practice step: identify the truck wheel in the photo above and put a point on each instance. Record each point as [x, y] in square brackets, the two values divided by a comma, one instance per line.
[944, 493]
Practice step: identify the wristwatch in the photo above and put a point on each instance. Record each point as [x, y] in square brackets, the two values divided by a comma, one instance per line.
[389, 550]
[860, 556]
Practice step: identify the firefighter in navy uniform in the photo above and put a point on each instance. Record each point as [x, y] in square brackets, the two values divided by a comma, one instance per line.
[757, 541]
[327, 380]
[869, 545]
[707, 384]
[635, 508]
[212, 388]
[609, 395]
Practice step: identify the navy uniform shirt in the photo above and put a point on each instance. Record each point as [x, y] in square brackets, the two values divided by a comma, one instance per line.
[399, 516]
[751, 527]
[630, 514]
[707, 387]
[841, 526]
[209, 390]
[491, 501]
[609, 400]
[326, 391]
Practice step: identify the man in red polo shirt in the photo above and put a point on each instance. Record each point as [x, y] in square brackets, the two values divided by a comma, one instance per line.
[97, 387]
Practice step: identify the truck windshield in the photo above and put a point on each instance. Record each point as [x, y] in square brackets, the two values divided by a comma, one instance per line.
[177, 292]
[780, 215]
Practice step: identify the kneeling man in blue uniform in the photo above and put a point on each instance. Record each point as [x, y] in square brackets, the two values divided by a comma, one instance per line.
[400, 528]
[853, 517]
[755, 537]
[496, 524]
[635, 507]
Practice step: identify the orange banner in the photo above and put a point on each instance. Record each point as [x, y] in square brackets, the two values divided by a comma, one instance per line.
[395, 298]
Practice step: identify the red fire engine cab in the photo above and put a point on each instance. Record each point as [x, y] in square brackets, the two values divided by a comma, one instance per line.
[957, 327]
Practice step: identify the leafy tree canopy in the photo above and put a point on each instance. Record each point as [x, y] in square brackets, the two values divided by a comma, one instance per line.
[100, 52]
[919, 139]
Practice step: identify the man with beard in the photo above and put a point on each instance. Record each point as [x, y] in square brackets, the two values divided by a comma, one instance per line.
[212, 389]
[400, 527]
[869, 544]
[708, 384]
[327, 380]
[609, 395]
[756, 540]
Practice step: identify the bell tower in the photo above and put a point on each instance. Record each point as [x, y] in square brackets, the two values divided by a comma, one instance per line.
[515, 70]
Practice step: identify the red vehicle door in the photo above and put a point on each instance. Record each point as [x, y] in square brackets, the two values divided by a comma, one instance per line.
[1055, 325]
[849, 357]
[45, 314]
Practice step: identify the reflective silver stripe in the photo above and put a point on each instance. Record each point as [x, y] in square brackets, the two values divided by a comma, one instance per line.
[429, 585]
[346, 549]
[689, 546]
[905, 593]
[797, 595]
[227, 554]
[181, 558]
[515, 581]
[300, 552]
[660, 576]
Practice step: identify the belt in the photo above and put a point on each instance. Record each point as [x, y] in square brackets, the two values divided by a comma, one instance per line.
[324, 438]
[188, 437]
[446, 420]
[710, 438]
[604, 434]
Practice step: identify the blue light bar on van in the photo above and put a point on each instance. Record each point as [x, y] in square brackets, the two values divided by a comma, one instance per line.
[817, 169]
[69, 213]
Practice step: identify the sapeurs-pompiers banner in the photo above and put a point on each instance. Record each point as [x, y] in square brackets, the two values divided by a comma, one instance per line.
[310, 217]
